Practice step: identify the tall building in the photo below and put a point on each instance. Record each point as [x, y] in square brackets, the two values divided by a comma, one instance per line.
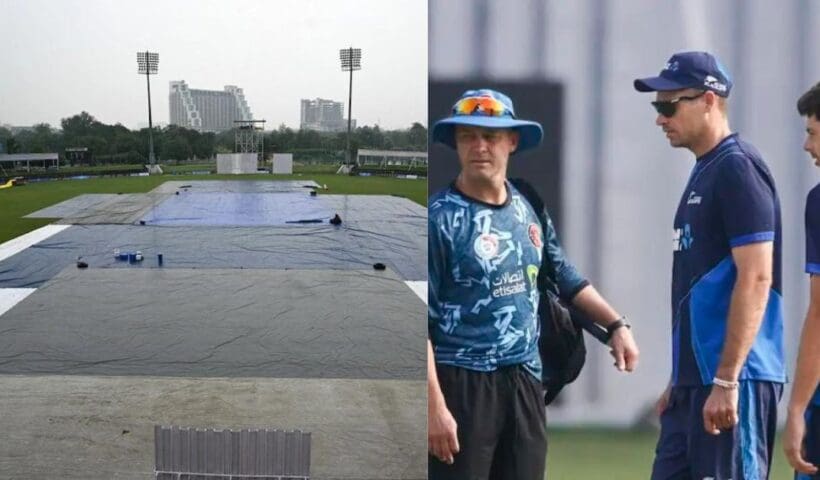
[323, 115]
[207, 110]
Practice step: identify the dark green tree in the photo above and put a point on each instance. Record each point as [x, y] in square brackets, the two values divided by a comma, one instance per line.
[78, 125]
[417, 137]
[12, 146]
[176, 148]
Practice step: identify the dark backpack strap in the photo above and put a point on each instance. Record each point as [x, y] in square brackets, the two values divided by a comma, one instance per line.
[546, 274]
[548, 282]
[561, 344]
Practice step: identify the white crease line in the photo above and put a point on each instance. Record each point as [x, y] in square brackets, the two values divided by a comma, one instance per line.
[17, 245]
[10, 297]
[419, 288]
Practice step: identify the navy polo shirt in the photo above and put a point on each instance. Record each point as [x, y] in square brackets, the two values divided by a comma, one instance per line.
[813, 246]
[729, 201]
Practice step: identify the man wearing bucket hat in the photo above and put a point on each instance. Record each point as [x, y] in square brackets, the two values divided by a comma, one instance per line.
[486, 413]
[718, 414]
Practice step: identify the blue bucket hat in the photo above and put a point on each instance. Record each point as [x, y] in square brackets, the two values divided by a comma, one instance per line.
[700, 70]
[530, 133]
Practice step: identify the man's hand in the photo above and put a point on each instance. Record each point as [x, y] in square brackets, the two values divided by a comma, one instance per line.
[793, 443]
[442, 441]
[720, 410]
[624, 349]
[663, 401]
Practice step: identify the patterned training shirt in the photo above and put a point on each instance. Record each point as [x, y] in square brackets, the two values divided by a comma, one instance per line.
[483, 264]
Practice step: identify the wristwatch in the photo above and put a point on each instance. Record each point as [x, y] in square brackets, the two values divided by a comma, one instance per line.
[620, 322]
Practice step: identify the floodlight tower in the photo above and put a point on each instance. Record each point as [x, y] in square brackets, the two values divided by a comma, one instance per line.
[351, 60]
[148, 64]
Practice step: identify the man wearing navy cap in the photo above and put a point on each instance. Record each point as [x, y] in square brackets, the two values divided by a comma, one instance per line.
[801, 440]
[486, 414]
[718, 415]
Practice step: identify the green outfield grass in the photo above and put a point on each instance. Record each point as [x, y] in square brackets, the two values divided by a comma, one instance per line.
[17, 202]
[615, 455]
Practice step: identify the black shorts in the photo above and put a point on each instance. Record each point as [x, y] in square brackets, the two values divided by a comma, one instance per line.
[501, 423]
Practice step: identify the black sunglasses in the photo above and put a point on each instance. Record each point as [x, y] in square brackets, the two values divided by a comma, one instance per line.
[669, 107]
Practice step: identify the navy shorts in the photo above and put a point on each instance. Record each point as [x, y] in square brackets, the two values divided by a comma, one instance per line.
[686, 451]
[812, 442]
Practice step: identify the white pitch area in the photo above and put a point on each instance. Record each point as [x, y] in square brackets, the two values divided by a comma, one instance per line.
[17, 245]
[10, 297]
[419, 288]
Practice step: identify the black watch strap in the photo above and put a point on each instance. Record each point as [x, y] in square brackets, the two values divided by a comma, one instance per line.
[621, 322]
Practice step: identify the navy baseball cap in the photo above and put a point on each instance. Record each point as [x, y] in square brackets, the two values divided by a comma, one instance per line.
[699, 70]
[487, 109]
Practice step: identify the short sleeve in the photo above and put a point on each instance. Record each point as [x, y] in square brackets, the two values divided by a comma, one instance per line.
[747, 201]
[567, 277]
[813, 232]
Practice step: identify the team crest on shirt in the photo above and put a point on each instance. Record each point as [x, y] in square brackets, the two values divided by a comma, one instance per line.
[535, 235]
[486, 246]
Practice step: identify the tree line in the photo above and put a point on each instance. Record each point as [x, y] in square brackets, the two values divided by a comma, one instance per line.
[118, 144]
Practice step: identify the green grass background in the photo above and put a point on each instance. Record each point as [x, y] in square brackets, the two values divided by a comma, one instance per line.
[617, 455]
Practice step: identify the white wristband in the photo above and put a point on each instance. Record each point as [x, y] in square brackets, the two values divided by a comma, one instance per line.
[725, 384]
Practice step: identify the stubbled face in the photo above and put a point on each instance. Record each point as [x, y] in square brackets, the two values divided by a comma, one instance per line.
[812, 144]
[484, 152]
[687, 124]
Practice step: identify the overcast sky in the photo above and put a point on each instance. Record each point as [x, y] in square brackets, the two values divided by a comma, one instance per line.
[62, 57]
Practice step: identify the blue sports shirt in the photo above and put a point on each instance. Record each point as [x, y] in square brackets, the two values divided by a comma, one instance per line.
[813, 247]
[483, 264]
[729, 201]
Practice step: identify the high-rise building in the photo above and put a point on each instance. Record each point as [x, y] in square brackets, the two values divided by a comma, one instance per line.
[323, 115]
[207, 110]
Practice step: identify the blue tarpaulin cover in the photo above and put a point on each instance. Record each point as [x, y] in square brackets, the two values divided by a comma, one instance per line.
[374, 229]
[237, 209]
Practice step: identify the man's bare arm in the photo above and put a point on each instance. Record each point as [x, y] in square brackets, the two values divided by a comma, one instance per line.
[750, 296]
[806, 379]
[442, 440]
[624, 349]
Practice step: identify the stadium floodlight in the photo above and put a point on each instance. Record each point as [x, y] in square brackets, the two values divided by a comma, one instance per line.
[351, 60]
[148, 64]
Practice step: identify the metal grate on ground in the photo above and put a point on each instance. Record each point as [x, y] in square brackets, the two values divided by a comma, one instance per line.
[207, 454]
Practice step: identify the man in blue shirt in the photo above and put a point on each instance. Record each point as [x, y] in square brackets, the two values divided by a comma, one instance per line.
[801, 440]
[486, 413]
[718, 415]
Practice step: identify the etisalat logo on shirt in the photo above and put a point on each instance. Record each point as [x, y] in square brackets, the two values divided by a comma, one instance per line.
[509, 284]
